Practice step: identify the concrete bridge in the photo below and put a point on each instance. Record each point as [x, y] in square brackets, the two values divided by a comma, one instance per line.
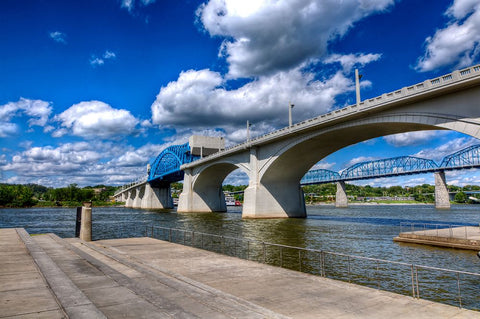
[276, 162]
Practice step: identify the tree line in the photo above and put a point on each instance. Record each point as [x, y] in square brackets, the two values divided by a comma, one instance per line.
[15, 195]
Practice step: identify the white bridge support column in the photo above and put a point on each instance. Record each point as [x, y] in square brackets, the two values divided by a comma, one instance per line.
[341, 199]
[137, 196]
[157, 197]
[278, 199]
[129, 199]
[442, 200]
[205, 197]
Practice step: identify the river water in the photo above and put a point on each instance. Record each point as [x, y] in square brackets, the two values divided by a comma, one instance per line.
[365, 231]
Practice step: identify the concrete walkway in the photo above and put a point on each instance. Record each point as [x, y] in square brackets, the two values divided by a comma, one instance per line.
[24, 292]
[48, 277]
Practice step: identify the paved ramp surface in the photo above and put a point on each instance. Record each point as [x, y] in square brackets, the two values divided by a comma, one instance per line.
[148, 278]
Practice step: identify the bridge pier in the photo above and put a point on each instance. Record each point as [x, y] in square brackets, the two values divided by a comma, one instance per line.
[341, 199]
[129, 199]
[207, 197]
[137, 197]
[276, 198]
[157, 197]
[282, 200]
[442, 200]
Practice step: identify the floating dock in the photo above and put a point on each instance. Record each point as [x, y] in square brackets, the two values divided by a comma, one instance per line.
[463, 237]
[45, 276]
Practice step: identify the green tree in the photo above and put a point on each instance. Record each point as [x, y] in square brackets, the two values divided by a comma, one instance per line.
[460, 197]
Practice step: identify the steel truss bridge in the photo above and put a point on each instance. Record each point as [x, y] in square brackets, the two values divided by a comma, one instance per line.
[166, 166]
[403, 165]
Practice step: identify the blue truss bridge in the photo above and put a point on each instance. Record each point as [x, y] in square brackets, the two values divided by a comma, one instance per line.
[403, 165]
[165, 168]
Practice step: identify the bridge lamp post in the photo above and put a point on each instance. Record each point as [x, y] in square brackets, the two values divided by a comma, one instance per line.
[357, 86]
[290, 107]
[248, 130]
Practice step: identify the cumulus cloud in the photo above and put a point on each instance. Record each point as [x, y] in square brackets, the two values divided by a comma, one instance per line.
[99, 61]
[93, 119]
[58, 36]
[348, 61]
[199, 98]
[38, 112]
[438, 153]
[411, 138]
[458, 43]
[264, 37]
[82, 163]
[359, 159]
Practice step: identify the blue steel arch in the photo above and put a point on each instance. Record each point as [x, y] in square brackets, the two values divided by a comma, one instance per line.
[319, 176]
[468, 157]
[166, 166]
[401, 165]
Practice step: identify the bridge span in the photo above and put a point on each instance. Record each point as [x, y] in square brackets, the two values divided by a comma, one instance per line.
[276, 162]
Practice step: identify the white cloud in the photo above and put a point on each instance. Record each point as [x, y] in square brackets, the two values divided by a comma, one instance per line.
[98, 61]
[458, 44]
[130, 4]
[93, 119]
[411, 138]
[360, 159]
[8, 129]
[348, 61]
[264, 37]
[38, 112]
[323, 165]
[58, 36]
[199, 99]
[82, 163]
[438, 153]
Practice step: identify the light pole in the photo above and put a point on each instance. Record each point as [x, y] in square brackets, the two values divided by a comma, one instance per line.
[248, 130]
[357, 86]
[290, 107]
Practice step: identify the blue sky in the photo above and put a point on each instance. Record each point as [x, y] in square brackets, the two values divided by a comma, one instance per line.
[91, 91]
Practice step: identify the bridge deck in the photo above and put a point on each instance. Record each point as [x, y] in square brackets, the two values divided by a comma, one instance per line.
[145, 277]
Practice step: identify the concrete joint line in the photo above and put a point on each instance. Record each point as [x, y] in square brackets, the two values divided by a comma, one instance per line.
[72, 300]
[153, 271]
[115, 275]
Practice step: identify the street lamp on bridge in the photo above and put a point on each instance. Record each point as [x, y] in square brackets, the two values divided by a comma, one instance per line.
[290, 107]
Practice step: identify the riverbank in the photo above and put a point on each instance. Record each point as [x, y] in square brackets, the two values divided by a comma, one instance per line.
[371, 203]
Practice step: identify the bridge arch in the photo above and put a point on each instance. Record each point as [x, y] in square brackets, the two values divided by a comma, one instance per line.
[203, 186]
[281, 171]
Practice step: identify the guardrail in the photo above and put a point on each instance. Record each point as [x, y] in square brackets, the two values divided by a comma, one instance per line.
[453, 287]
[139, 180]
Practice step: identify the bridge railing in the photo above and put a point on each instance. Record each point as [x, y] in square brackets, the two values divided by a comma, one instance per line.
[442, 285]
[138, 180]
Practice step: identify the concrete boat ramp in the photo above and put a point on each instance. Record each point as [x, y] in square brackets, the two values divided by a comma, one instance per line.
[463, 237]
[45, 276]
